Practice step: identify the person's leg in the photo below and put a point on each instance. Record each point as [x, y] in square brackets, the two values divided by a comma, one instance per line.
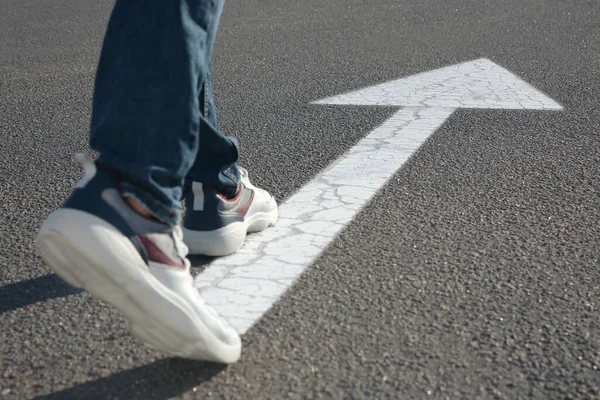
[147, 113]
[145, 124]
[222, 205]
[215, 162]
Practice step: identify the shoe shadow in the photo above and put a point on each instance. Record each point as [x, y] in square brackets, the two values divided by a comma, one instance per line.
[24, 293]
[162, 379]
[199, 263]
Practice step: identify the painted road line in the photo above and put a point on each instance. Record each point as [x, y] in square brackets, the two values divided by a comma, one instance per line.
[242, 287]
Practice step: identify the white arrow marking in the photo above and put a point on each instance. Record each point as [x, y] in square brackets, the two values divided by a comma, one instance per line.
[242, 287]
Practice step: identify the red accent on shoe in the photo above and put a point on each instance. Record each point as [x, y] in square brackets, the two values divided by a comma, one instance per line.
[155, 254]
[244, 209]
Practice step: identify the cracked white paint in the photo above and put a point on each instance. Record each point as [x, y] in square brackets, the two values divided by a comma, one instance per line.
[242, 287]
[474, 84]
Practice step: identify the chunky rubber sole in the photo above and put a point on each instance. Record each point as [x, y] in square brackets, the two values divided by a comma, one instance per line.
[229, 239]
[89, 253]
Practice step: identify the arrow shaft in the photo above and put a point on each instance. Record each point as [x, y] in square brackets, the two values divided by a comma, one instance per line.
[242, 287]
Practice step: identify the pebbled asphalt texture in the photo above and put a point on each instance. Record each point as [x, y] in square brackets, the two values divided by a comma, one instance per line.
[474, 273]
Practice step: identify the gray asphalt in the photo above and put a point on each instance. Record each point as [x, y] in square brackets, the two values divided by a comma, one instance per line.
[474, 273]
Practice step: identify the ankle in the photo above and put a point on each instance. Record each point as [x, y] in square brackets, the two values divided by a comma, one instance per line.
[138, 207]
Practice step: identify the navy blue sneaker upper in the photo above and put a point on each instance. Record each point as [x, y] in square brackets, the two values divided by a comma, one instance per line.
[92, 197]
[98, 194]
[207, 210]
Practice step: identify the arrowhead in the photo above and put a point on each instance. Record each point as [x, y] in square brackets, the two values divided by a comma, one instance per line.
[474, 84]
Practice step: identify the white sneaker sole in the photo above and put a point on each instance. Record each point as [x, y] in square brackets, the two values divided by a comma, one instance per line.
[89, 253]
[229, 239]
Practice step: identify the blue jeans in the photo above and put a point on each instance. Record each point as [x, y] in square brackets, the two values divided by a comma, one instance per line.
[153, 118]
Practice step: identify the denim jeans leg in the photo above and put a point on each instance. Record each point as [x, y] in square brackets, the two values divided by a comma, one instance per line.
[215, 163]
[146, 112]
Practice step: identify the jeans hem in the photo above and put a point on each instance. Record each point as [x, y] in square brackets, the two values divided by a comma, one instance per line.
[157, 209]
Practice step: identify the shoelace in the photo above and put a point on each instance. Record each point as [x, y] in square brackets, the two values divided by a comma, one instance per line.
[180, 246]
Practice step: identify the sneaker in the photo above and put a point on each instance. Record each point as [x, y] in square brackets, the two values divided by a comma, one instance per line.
[214, 225]
[95, 241]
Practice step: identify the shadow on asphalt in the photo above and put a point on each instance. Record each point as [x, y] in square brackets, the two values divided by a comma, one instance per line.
[31, 291]
[200, 262]
[161, 379]
[24, 293]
